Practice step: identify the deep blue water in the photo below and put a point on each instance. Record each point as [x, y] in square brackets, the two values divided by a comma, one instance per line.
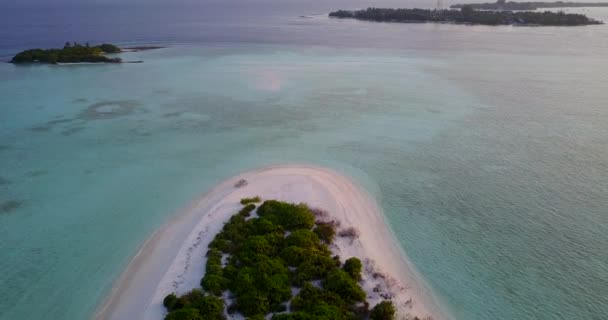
[487, 147]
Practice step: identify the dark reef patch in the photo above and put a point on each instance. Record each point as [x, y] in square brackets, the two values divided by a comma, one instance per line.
[48, 126]
[71, 131]
[59, 121]
[80, 100]
[41, 128]
[4, 181]
[36, 173]
[173, 114]
[140, 132]
[9, 206]
[109, 109]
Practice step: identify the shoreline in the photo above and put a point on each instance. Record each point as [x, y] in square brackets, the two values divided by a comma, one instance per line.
[173, 258]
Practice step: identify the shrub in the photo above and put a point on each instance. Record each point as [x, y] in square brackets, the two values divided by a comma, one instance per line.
[189, 299]
[264, 226]
[314, 267]
[290, 216]
[319, 213]
[351, 233]
[212, 308]
[384, 310]
[193, 305]
[294, 255]
[342, 284]
[325, 232]
[214, 284]
[184, 314]
[246, 201]
[253, 303]
[353, 267]
[246, 211]
[170, 302]
[303, 238]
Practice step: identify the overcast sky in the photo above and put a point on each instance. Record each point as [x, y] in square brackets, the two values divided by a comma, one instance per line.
[399, 3]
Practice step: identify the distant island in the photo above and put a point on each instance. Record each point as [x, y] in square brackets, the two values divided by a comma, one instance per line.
[512, 5]
[468, 15]
[71, 53]
[76, 53]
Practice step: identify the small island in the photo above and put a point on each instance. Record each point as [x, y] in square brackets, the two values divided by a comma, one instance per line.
[522, 6]
[280, 242]
[71, 53]
[468, 15]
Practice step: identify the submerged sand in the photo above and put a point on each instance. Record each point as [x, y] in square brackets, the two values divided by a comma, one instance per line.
[173, 259]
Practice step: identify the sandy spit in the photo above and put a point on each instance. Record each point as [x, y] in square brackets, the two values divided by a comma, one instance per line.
[173, 258]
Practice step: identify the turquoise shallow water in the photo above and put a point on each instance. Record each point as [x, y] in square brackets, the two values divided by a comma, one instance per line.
[488, 158]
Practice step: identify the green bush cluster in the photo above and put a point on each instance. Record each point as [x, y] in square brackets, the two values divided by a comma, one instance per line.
[325, 232]
[384, 310]
[69, 53]
[246, 201]
[353, 267]
[194, 305]
[288, 215]
[267, 256]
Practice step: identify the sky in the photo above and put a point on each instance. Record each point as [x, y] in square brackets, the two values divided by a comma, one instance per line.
[402, 3]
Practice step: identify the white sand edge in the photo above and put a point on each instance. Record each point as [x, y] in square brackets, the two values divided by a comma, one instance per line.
[173, 259]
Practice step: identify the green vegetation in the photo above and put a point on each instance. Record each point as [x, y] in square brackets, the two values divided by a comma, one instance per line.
[512, 5]
[384, 310]
[257, 261]
[325, 232]
[71, 53]
[468, 15]
[255, 199]
[193, 306]
[353, 267]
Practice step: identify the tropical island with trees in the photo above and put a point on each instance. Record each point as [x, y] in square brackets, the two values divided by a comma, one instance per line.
[468, 15]
[513, 5]
[276, 263]
[323, 251]
[70, 53]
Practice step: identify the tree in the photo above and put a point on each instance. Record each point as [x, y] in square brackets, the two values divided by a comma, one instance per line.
[213, 283]
[342, 284]
[325, 231]
[303, 238]
[290, 216]
[212, 308]
[384, 310]
[467, 11]
[353, 267]
[109, 48]
[253, 303]
[170, 302]
[184, 314]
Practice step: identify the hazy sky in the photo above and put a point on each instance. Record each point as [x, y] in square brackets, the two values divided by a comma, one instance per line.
[403, 3]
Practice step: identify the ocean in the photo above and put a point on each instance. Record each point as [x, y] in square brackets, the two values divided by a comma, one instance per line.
[487, 147]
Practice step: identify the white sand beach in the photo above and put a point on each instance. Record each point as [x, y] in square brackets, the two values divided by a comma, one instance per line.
[173, 259]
